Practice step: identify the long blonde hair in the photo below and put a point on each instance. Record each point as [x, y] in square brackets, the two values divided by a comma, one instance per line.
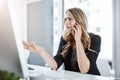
[81, 19]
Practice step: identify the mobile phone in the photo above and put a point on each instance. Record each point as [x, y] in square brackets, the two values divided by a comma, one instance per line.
[73, 31]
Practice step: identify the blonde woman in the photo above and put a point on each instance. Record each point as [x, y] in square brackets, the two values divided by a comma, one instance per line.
[78, 49]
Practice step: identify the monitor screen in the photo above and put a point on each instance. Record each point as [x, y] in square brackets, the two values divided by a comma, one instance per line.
[12, 57]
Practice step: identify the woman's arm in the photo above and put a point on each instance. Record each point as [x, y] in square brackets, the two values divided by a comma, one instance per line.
[89, 60]
[37, 49]
[83, 61]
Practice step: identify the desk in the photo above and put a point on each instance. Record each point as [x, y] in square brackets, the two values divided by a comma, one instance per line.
[45, 73]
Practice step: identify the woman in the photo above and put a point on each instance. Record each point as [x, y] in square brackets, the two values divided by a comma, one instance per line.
[78, 49]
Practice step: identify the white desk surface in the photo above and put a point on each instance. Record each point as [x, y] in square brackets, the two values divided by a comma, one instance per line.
[45, 73]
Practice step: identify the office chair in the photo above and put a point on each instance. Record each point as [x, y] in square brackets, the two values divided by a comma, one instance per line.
[104, 67]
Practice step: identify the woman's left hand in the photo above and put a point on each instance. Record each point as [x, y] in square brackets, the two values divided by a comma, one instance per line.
[78, 32]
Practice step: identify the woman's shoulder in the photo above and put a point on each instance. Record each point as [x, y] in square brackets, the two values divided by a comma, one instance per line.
[94, 36]
[95, 42]
[62, 40]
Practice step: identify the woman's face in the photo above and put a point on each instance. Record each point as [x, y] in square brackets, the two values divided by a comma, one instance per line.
[69, 22]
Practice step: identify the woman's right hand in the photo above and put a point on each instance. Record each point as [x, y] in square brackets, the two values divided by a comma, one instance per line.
[46, 57]
[31, 47]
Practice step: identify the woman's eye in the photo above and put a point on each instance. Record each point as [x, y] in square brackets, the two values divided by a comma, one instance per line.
[69, 18]
[65, 19]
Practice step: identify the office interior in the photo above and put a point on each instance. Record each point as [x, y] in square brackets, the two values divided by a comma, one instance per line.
[41, 22]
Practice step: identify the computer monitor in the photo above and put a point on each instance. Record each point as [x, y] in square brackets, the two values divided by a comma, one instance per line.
[12, 57]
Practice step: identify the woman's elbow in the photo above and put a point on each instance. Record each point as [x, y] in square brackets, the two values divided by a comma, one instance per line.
[54, 67]
[85, 70]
